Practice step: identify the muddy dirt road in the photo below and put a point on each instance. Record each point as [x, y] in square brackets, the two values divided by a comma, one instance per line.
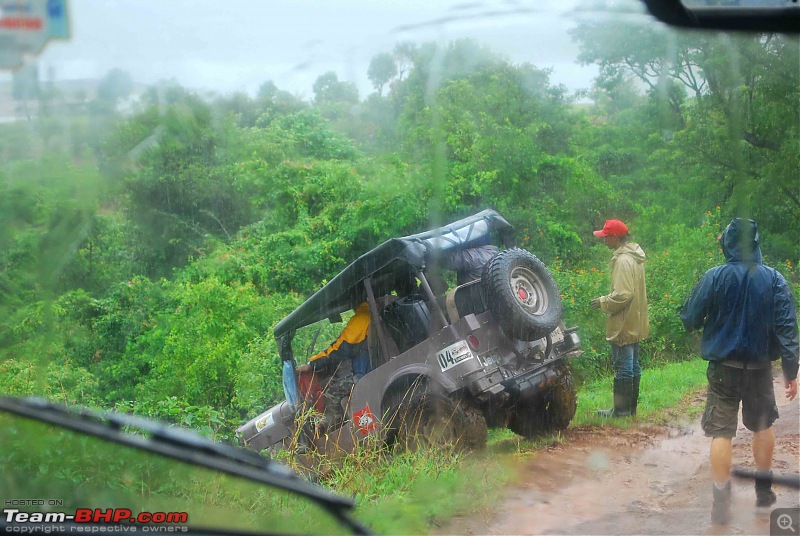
[646, 480]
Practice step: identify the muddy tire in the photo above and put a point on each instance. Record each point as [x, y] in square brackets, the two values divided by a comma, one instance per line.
[550, 412]
[434, 421]
[522, 294]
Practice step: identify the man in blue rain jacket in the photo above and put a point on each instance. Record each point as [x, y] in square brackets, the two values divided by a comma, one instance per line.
[746, 311]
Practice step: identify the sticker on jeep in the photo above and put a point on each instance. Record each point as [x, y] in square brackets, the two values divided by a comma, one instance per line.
[365, 420]
[263, 422]
[454, 354]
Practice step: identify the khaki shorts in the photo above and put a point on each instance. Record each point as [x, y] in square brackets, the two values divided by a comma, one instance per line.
[727, 386]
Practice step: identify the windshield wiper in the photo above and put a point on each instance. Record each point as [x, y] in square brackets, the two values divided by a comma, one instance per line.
[183, 445]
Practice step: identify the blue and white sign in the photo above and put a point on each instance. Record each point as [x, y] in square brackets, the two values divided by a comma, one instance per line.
[27, 25]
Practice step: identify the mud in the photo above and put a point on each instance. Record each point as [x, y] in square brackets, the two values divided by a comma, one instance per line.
[646, 480]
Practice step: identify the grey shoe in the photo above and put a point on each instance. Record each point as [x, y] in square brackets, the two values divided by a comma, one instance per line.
[721, 508]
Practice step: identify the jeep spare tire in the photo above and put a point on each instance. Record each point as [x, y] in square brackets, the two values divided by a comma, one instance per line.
[522, 294]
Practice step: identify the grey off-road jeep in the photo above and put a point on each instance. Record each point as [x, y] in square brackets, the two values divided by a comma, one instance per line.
[445, 364]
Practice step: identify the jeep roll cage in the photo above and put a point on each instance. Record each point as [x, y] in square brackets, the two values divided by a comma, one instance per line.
[392, 266]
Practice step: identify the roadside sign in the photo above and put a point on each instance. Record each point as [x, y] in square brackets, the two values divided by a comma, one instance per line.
[27, 25]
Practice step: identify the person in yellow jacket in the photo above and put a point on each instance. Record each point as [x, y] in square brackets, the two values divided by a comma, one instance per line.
[354, 333]
[345, 360]
[627, 322]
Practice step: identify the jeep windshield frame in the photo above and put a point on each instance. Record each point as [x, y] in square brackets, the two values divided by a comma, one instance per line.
[393, 260]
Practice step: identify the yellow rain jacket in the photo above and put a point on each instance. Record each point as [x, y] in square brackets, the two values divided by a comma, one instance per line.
[354, 332]
[626, 306]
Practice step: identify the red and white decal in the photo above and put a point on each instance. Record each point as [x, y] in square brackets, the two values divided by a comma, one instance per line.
[365, 420]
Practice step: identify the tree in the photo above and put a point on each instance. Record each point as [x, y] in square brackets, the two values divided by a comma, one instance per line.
[726, 109]
[404, 54]
[267, 91]
[329, 90]
[381, 70]
[274, 102]
[178, 186]
[244, 109]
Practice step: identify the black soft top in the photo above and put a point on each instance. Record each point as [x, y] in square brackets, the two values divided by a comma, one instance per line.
[392, 262]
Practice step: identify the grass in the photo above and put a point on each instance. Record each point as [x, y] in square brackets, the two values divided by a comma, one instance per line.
[83, 471]
[433, 489]
[395, 493]
[661, 391]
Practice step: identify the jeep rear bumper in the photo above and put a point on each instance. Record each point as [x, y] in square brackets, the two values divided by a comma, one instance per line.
[525, 385]
[539, 379]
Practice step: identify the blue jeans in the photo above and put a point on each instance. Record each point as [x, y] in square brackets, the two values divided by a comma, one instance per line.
[626, 361]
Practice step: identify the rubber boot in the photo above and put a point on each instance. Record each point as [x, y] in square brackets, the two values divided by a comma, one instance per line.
[764, 494]
[623, 390]
[721, 508]
[635, 395]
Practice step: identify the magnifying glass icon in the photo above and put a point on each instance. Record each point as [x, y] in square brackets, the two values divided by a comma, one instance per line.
[785, 522]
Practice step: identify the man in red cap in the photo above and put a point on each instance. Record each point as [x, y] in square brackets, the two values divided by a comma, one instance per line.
[627, 322]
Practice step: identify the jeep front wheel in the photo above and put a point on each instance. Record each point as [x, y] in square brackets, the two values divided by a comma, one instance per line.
[522, 294]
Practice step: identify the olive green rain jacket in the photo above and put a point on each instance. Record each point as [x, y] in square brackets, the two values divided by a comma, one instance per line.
[626, 306]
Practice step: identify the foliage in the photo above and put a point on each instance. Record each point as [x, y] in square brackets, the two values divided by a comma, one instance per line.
[662, 390]
[145, 259]
[80, 469]
[328, 89]
[382, 69]
[46, 208]
[726, 107]
[308, 132]
[247, 205]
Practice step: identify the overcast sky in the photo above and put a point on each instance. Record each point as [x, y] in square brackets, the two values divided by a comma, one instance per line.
[231, 45]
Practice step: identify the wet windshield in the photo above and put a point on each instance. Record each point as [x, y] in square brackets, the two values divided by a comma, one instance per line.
[177, 179]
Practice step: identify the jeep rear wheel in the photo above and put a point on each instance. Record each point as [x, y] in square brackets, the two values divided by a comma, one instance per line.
[433, 421]
[522, 294]
[551, 412]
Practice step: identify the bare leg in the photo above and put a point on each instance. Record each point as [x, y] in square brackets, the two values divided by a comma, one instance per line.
[763, 445]
[721, 456]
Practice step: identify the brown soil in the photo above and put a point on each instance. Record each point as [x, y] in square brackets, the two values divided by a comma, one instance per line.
[649, 479]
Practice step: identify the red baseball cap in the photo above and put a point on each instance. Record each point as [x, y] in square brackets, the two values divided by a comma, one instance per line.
[613, 228]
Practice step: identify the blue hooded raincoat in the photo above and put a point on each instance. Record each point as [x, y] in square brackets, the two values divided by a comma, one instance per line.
[746, 309]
